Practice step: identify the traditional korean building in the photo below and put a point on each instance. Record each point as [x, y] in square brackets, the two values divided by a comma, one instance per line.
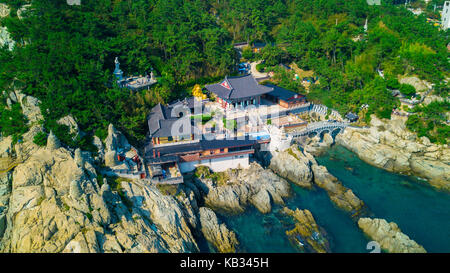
[285, 98]
[169, 152]
[238, 92]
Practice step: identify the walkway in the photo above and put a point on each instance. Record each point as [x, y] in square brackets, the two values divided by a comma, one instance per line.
[319, 127]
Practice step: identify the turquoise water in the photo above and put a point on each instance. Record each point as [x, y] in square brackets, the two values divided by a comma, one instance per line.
[420, 211]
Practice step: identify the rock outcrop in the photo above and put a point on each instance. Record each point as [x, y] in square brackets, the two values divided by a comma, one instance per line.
[316, 147]
[340, 195]
[217, 233]
[70, 122]
[387, 144]
[115, 142]
[255, 185]
[293, 165]
[301, 168]
[56, 204]
[389, 236]
[307, 234]
[30, 106]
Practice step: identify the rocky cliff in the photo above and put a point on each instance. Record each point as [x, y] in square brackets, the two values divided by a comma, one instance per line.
[389, 236]
[389, 145]
[54, 200]
[56, 204]
[255, 185]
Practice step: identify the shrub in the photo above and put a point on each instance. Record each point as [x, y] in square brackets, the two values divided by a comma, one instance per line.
[40, 139]
[393, 83]
[260, 67]
[407, 90]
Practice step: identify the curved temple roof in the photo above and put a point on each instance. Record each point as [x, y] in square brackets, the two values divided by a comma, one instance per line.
[238, 88]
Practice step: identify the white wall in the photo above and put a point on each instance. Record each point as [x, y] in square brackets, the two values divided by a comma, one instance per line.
[217, 164]
[446, 15]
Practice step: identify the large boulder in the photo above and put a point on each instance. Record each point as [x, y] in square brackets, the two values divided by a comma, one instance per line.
[389, 236]
[217, 233]
[292, 165]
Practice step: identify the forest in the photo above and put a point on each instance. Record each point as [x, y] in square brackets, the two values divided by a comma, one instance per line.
[64, 55]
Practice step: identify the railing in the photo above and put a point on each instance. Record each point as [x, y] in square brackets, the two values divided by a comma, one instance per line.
[234, 153]
[166, 181]
[319, 126]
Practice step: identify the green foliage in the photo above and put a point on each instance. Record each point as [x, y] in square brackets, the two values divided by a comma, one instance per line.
[407, 90]
[40, 139]
[230, 124]
[12, 121]
[392, 83]
[260, 67]
[64, 55]
[430, 121]
[248, 54]
[221, 178]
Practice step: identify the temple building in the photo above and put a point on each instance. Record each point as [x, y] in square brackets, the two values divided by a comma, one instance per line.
[285, 98]
[238, 92]
[169, 152]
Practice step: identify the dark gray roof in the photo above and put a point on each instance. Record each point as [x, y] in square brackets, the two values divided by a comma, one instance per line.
[239, 88]
[351, 116]
[162, 118]
[174, 150]
[282, 93]
[189, 102]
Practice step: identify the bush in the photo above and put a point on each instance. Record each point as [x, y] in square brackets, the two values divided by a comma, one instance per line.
[407, 90]
[40, 139]
[260, 67]
[393, 83]
[247, 53]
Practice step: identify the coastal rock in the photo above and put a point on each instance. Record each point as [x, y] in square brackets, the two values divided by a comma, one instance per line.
[306, 233]
[241, 188]
[389, 236]
[293, 165]
[115, 143]
[387, 144]
[56, 205]
[262, 202]
[217, 233]
[343, 197]
[316, 147]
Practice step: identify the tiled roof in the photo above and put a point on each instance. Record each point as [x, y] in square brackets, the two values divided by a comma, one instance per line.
[239, 88]
[162, 118]
[282, 93]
